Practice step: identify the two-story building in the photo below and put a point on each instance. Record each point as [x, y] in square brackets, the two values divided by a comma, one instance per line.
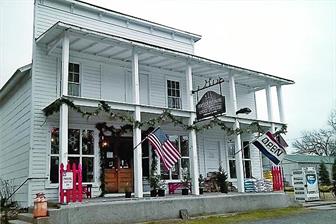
[84, 54]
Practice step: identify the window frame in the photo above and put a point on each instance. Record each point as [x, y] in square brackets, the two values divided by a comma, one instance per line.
[79, 78]
[229, 145]
[95, 154]
[179, 162]
[249, 160]
[173, 79]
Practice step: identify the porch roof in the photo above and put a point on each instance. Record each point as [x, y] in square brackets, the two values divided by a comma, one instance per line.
[153, 110]
[112, 47]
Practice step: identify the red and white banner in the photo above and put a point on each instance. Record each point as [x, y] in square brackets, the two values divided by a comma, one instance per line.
[270, 147]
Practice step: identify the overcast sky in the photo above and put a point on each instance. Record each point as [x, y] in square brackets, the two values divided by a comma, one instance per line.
[290, 39]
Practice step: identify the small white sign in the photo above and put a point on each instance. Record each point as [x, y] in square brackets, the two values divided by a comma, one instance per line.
[67, 180]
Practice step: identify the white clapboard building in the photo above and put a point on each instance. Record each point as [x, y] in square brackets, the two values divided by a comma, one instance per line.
[84, 54]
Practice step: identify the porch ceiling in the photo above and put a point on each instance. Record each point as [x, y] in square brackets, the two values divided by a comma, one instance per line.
[108, 46]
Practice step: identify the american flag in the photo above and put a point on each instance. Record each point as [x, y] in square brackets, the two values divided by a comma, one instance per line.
[164, 148]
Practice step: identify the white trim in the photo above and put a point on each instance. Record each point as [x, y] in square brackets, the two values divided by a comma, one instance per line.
[96, 165]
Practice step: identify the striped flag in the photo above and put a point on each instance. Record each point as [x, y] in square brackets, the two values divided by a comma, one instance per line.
[269, 146]
[164, 149]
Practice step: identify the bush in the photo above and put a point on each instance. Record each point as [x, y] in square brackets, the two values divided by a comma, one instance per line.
[324, 174]
[222, 180]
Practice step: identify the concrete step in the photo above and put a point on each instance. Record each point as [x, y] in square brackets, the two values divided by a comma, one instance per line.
[18, 222]
[26, 217]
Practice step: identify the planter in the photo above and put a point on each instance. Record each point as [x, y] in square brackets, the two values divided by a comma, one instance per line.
[128, 194]
[153, 193]
[161, 193]
[224, 190]
[201, 190]
[185, 191]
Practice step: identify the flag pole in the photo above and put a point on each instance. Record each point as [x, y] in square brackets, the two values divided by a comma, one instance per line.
[145, 138]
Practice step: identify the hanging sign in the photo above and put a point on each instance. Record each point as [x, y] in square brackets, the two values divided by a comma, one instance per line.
[270, 147]
[67, 180]
[210, 104]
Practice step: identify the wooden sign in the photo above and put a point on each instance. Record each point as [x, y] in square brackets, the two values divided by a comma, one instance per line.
[210, 104]
[67, 180]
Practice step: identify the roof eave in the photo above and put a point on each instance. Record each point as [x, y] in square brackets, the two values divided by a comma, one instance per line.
[18, 75]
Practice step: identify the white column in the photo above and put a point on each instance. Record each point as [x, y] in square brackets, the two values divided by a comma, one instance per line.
[194, 169]
[280, 104]
[64, 110]
[238, 145]
[269, 106]
[137, 153]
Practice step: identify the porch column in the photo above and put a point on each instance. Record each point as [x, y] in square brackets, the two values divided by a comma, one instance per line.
[280, 104]
[194, 169]
[269, 106]
[137, 153]
[64, 110]
[238, 145]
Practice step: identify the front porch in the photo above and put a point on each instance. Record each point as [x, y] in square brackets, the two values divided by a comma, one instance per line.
[135, 210]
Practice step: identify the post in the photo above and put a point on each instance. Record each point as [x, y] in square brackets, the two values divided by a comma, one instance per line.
[238, 145]
[194, 172]
[64, 110]
[269, 106]
[280, 104]
[63, 130]
[137, 152]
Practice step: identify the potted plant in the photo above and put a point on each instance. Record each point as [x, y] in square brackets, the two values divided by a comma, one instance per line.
[185, 181]
[201, 183]
[222, 180]
[154, 178]
[128, 192]
[162, 188]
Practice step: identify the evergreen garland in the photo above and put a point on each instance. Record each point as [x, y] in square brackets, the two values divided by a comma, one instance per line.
[165, 116]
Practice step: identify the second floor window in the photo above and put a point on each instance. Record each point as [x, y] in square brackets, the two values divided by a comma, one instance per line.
[74, 80]
[174, 94]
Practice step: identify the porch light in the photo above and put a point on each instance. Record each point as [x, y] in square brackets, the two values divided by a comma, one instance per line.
[244, 110]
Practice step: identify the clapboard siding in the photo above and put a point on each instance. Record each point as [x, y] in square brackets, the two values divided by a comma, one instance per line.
[50, 13]
[15, 124]
[44, 92]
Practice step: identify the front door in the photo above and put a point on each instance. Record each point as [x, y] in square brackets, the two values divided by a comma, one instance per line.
[118, 172]
[212, 155]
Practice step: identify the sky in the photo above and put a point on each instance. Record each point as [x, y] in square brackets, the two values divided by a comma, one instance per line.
[290, 39]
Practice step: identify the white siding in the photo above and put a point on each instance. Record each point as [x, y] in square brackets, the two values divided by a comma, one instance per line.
[113, 83]
[44, 92]
[51, 12]
[15, 124]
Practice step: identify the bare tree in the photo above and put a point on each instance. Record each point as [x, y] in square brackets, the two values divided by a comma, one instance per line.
[320, 142]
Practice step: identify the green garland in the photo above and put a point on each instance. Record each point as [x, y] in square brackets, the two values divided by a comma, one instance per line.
[165, 116]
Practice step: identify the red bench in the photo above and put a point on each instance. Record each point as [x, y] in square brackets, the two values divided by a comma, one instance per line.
[172, 187]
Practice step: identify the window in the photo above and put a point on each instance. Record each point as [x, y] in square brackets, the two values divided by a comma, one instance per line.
[247, 160]
[80, 151]
[74, 80]
[174, 94]
[232, 160]
[182, 144]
